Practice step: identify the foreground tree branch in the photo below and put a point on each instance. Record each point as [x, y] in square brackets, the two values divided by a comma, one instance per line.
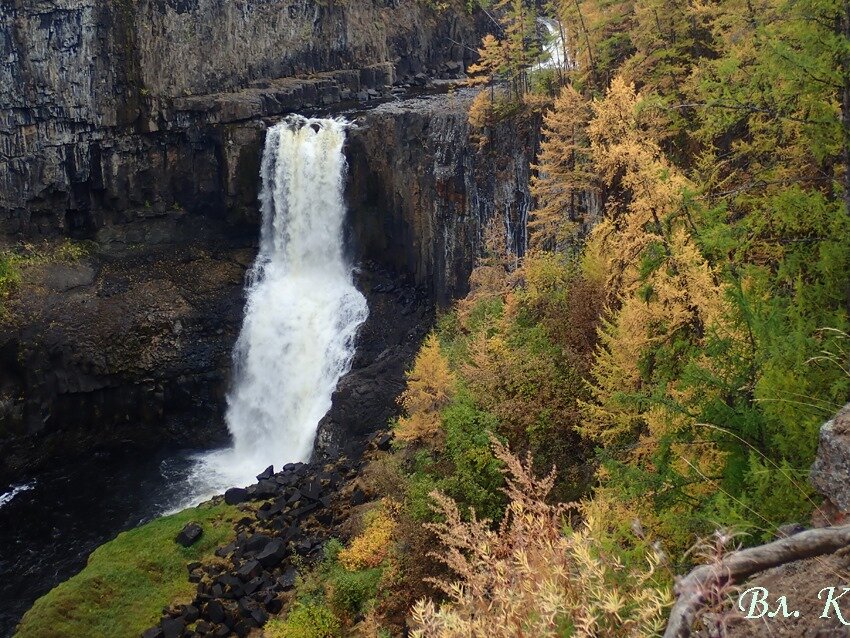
[737, 566]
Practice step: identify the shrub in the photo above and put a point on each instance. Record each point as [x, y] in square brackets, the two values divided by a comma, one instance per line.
[430, 386]
[529, 578]
[369, 548]
[350, 593]
[305, 621]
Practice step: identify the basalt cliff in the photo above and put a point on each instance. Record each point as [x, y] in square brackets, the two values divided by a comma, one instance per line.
[135, 130]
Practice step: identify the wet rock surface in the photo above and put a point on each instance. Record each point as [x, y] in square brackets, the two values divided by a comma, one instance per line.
[400, 315]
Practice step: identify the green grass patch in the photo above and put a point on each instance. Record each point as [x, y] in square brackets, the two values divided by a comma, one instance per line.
[10, 275]
[13, 259]
[305, 621]
[127, 582]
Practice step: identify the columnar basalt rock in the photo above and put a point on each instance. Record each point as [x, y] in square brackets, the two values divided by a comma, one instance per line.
[424, 186]
[110, 105]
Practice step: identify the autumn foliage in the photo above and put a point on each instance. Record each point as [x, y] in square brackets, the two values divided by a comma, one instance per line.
[371, 547]
[565, 186]
[430, 386]
[528, 577]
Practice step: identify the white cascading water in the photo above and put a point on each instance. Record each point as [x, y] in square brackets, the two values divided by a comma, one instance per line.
[554, 54]
[302, 312]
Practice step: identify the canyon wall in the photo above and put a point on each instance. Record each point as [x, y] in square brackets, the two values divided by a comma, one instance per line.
[138, 127]
[110, 105]
[424, 185]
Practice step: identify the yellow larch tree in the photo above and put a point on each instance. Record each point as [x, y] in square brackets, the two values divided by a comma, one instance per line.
[565, 186]
[430, 387]
[661, 290]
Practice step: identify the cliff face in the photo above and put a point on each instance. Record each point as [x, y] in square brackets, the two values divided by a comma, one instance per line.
[108, 105]
[132, 343]
[424, 186]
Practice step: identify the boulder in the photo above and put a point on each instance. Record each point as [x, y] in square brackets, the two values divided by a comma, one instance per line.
[274, 606]
[256, 542]
[242, 628]
[358, 497]
[246, 606]
[302, 511]
[153, 632]
[830, 473]
[259, 616]
[272, 554]
[189, 535]
[266, 488]
[383, 441]
[249, 570]
[235, 495]
[266, 474]
[313, 490]
[253, 585]
[173, 627]
[278, 506]
[214, 612]
[190, 613]
[287, 580]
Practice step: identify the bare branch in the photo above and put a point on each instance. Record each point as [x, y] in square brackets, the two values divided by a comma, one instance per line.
[738, 566]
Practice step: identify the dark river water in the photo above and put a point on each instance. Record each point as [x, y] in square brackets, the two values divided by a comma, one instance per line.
[55, 519]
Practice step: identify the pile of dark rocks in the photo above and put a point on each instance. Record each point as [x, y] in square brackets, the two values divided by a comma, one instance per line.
[288, 517]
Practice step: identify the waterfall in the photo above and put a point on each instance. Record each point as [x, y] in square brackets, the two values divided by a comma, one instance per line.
[302, 311]
[553, 54]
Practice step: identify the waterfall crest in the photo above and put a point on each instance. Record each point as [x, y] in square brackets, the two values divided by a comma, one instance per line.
[302, 311]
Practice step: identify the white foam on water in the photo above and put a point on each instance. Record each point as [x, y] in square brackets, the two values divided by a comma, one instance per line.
[6, 497]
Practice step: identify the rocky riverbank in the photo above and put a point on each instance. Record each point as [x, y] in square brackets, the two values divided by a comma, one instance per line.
[289, 515]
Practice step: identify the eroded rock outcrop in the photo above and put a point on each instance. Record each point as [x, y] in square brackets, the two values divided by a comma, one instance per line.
[831, 470]
[125, 346]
